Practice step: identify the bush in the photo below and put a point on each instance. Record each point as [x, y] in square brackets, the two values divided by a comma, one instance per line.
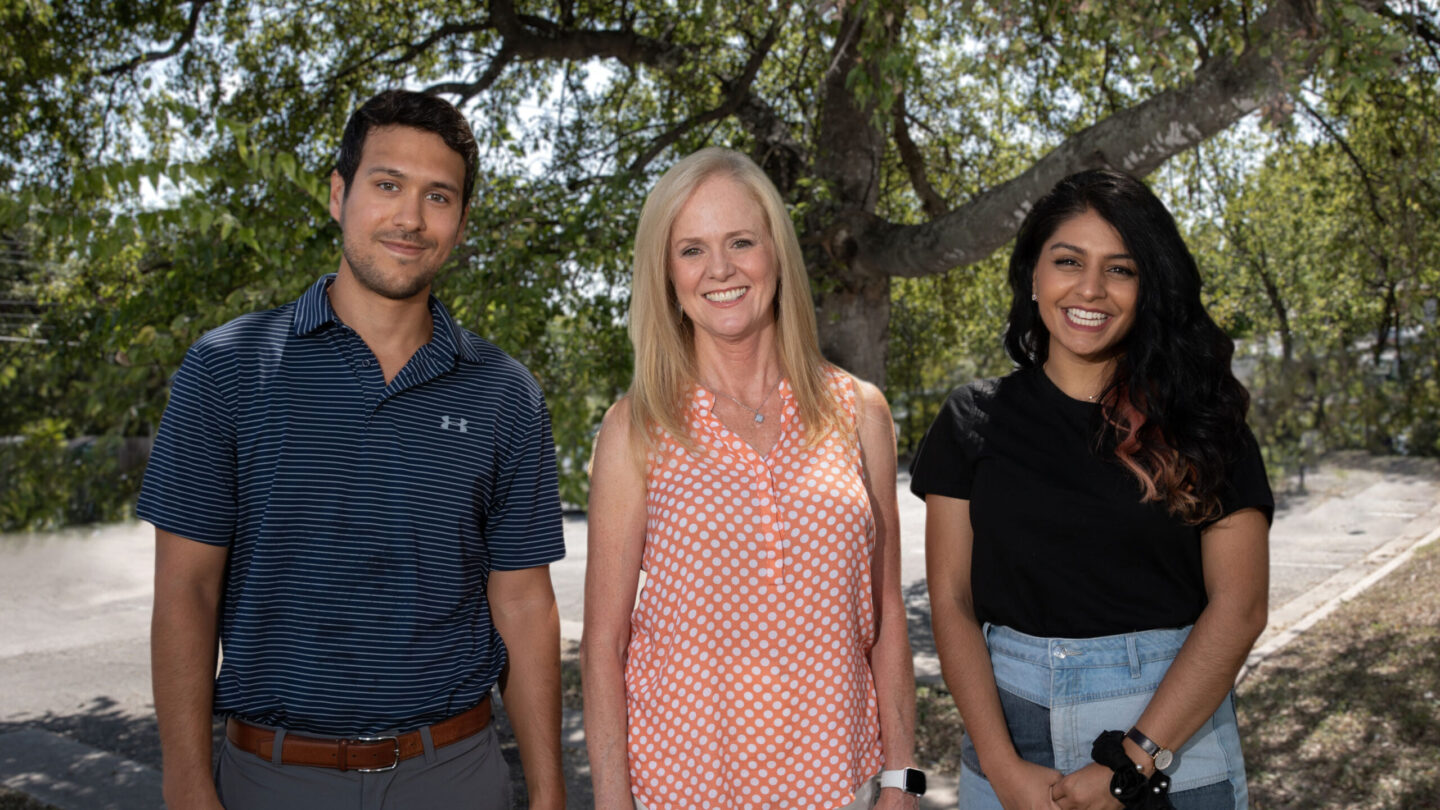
[51, 481]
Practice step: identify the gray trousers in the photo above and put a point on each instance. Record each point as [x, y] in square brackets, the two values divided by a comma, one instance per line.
[469, 774]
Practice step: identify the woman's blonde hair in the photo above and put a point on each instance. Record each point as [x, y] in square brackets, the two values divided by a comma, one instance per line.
[664, 338]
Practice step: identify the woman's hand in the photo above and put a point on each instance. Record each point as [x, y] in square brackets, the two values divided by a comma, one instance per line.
[1023, 785]
[1086, 789]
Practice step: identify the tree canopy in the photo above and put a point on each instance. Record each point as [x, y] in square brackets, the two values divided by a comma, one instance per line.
[164, 163]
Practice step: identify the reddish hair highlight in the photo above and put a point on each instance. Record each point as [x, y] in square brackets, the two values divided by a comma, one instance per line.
[1164, 474]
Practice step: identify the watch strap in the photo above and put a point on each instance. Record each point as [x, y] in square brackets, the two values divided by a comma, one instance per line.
[1156, 752]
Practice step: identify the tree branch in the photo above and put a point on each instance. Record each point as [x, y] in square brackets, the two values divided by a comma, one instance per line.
[185, 37]
[783, 158]
[468, 90]
[1344, 145]
[415, 49]
[737, 91]
[534, 38]
[1414, 22]
[914, 162]
[528, 38]
[1284, 48]
[1417, 26]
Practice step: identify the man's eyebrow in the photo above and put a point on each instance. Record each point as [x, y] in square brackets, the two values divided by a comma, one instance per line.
[441, 184]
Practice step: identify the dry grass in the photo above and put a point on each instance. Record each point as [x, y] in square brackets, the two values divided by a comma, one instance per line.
[1349, 715]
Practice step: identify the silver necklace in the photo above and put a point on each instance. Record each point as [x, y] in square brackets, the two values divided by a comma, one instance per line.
[759, 417]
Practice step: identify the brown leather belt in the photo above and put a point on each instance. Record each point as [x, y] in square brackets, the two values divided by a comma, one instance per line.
[370, 753]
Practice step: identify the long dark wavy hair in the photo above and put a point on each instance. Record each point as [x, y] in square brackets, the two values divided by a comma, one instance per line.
[1174, 414]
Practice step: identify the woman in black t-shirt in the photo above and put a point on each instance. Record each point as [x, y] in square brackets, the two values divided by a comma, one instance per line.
[1097, 524]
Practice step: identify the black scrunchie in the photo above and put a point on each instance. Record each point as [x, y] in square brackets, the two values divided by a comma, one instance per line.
[1129, 784]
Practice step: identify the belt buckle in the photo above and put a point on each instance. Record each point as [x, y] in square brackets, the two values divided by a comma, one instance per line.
[394, 739]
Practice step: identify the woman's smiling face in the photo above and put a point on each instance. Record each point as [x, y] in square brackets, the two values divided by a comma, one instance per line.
[1086, 287]
[722, 260]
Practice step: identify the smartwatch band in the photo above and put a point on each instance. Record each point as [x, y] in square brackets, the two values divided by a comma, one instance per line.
[910, 780]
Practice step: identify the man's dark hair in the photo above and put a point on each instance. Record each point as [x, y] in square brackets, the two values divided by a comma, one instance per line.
[407, 108]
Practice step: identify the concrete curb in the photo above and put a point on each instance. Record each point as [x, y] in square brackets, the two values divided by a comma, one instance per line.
[74, 776]
[1314, 605]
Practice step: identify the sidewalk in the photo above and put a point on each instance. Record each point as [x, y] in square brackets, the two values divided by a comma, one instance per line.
[77, 724]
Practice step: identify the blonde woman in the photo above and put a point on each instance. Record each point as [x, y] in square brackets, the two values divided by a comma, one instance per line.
[766, 662]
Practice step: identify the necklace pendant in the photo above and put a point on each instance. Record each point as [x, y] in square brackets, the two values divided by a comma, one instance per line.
[759, 417]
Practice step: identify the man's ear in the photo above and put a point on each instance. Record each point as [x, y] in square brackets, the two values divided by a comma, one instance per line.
[337, 195]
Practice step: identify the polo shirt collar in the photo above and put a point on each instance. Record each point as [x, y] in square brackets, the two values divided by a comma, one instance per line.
[313, 311]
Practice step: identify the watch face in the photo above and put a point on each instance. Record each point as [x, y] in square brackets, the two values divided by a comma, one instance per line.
[915, 781]
[1163, 758]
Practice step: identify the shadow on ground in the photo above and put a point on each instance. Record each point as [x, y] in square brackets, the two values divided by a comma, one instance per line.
[1289, 494]
[917, 618]
[101, 724]
[1347, 716]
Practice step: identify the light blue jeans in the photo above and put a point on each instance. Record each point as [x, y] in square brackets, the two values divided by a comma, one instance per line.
[1059, 694]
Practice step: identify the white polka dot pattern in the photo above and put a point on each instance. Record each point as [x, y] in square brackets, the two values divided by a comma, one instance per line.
[747, 677]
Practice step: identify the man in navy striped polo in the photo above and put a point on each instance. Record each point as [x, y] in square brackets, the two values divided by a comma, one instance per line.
[357, 499]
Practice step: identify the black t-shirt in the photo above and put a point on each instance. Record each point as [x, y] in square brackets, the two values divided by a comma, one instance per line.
[1063, 546]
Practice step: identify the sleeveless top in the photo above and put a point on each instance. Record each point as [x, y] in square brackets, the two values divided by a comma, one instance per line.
[747, 675]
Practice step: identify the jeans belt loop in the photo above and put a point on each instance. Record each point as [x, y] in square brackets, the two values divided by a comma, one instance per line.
[1134, 650]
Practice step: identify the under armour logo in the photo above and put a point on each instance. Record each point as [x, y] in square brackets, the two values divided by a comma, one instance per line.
[459, 424]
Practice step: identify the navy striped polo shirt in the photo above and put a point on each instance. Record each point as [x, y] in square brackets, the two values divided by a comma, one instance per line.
[362, 518]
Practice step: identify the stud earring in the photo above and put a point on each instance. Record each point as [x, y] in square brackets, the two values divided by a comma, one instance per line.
[1033, 297]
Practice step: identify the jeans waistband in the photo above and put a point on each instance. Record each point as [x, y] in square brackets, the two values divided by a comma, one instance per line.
[1101, 651]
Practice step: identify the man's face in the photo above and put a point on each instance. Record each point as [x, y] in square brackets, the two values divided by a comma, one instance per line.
[403, 213]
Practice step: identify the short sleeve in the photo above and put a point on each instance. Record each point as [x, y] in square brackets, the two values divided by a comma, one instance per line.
[1247, 485]
[945, 462]
[523, 527]
[189, 486]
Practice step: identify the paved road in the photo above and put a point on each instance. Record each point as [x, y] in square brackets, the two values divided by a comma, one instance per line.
[74, 606]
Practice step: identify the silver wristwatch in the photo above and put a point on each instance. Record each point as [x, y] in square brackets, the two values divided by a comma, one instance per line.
[1163, 756]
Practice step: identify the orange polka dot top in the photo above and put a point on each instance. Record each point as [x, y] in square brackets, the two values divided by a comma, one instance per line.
[747, 676]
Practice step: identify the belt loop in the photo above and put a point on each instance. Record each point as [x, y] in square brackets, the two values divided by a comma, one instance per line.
[428, 744]
[277, 756]
[1134, 650]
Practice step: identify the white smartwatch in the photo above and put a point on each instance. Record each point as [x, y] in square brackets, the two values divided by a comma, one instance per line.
[910, 780]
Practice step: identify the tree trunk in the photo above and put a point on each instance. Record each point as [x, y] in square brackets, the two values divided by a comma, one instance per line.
[852, 297]
[854, 319]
